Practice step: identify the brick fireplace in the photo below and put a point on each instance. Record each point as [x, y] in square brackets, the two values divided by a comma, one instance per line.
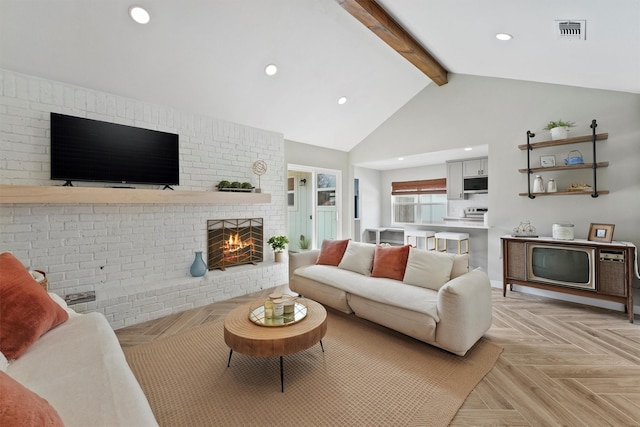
[234, 242]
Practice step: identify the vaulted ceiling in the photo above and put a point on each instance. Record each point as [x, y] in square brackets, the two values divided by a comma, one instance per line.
[208, 56]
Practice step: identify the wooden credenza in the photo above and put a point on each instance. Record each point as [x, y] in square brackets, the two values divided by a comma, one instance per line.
[613, 269]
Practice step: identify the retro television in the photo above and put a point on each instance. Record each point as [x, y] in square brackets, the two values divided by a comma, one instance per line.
[570, 266]
[92, 150]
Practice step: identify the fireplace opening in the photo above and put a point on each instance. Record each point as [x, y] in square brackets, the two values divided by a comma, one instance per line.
[234, 242]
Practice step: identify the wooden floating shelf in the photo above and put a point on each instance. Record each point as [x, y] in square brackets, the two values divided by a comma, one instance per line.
[97, 195]
[565, 167]
[566, 193]
[574, 140]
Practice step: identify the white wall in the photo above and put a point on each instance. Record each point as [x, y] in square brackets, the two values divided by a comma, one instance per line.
[498, 112]
[370, 198]
[135, 257]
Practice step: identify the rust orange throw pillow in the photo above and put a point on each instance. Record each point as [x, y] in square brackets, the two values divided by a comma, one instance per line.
[332, 251]
[390, 262]
[20, 407]
[26, 310]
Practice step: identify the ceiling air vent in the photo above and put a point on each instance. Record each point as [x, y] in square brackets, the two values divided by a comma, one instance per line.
[571, 29]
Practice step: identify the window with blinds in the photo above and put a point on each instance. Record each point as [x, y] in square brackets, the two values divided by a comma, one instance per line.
[419, 202]
[424, 186]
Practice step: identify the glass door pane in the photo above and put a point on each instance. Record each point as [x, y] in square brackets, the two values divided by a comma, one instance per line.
[326, 209]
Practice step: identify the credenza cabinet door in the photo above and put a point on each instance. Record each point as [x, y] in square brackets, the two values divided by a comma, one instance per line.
[516, 260]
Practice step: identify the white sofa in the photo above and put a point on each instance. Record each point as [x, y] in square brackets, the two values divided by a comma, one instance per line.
[80, 369]
[452, 314]
[58, 367]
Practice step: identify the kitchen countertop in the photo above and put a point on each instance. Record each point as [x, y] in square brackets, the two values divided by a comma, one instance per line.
[457, 223]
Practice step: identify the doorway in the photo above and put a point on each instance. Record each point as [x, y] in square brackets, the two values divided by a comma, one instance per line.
[314, 206]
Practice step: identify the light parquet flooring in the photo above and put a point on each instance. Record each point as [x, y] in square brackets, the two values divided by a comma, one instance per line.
[563, 364]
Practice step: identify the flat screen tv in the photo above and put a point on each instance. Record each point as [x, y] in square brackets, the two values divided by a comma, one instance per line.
[91, 150]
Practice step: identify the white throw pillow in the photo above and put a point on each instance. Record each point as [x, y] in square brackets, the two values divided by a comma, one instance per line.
[358, 258]
[460, 265]
[428, 269]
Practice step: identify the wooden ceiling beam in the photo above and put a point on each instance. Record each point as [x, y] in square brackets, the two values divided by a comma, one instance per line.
[369, 13]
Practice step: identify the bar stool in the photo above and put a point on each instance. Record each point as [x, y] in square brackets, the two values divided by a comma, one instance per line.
[428, 236]
[448, 235]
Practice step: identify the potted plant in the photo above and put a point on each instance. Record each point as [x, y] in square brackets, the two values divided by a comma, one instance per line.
[278, 244]
[304, 242]
[559, 129]
[234, 186]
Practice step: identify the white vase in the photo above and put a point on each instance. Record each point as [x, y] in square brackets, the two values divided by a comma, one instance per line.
[277, 256]
[538, 185]
[559, 133]
[551, 186]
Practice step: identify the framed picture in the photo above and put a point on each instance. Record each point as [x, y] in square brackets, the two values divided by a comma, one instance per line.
[601, 232]
[547, 161]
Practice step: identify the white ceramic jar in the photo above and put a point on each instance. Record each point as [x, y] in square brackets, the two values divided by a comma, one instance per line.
[562, 231]
[538, 185]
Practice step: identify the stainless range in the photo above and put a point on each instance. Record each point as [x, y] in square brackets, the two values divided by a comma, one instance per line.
[476, 214]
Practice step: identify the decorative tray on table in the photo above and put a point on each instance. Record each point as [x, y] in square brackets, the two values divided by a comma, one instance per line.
[294, 310]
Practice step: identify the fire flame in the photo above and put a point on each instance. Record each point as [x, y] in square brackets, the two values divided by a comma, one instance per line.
[235, 243]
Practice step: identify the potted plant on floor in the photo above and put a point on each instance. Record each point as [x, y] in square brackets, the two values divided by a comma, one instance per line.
[304, 243]
[278, 244]
[559, 129]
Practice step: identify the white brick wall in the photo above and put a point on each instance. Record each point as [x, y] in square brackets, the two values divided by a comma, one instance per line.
[135, 257]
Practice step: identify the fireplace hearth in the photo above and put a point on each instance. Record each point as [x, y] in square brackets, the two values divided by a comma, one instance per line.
[234, 242]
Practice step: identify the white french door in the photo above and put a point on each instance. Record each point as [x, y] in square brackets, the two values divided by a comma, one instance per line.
[314, 206]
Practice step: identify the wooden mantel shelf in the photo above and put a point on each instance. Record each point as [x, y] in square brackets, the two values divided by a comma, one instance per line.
[99, 195]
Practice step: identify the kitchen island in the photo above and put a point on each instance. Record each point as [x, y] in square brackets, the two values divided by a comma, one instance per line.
[476, 229]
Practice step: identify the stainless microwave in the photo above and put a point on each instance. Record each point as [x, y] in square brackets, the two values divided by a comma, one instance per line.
[479, 184]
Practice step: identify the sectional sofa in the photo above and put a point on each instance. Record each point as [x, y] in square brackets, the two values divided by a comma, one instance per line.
[428, 295]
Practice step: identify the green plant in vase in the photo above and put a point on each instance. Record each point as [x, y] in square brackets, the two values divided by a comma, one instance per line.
[559, 129]
[304, 243]
[278, 244]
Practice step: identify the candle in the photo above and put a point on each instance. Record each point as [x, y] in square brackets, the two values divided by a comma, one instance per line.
[288, 306]
[268, 309]
[278, 308]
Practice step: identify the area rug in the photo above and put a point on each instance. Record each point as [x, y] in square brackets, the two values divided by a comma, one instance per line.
[367, 375]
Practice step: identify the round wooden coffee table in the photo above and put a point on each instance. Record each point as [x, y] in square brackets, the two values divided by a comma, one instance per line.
[244, 336]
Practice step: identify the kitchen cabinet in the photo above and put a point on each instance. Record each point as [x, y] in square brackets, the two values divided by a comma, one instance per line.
[475, 167]
[595, 165]
[455, 183]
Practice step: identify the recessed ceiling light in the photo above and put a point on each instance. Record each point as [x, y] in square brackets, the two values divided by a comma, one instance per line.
[468, 149]
[138, 14]
[400, 158]
[270, 70]
[342, 100]
[504, 36]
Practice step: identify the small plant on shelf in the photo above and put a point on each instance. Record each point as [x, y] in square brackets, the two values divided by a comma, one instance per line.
[559, 129]
[225, 185]
[559, 124]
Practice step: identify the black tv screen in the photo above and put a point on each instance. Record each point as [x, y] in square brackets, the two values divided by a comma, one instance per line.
[91, 150]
